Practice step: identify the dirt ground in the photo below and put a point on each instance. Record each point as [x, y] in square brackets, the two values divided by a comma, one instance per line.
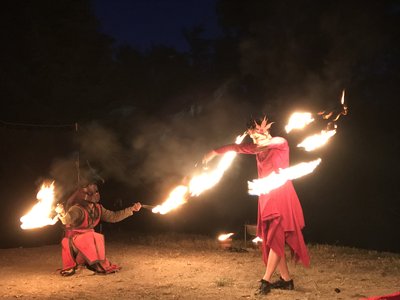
[193, 267]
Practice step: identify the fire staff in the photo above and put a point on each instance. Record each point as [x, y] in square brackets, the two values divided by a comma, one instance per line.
[81, 245]
[280, 216]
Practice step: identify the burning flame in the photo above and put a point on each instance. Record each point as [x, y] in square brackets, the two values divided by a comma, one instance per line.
[342, 99]
[198, 184]
[39, 215]
[344, 111]
[298, 121]
[344, 108]
[257, 240]
[224, 237]
[317, 140]
[275, 180]
[176, 198]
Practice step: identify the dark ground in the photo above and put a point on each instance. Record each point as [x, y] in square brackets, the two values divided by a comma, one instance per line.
[195, 267]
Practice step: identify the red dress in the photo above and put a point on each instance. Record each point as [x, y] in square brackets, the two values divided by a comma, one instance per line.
[83, 246]
[280, 216]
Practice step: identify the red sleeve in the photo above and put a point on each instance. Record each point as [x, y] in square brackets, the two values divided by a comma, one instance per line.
[278, 143]
[250, 148]
[247, 148]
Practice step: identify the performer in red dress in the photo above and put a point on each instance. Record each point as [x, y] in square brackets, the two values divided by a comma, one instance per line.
[81, 245]
[280, 216]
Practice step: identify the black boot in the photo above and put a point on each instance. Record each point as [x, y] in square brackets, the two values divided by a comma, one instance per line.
[283, 284]
[265, 287]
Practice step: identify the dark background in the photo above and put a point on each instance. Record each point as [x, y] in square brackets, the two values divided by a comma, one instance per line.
[149, 105]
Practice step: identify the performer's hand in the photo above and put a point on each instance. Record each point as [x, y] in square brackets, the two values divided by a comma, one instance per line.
[60, 209]
[136, 207]
[209, 156]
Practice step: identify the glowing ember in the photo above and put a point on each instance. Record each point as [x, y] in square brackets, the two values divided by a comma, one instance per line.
[342, 100]
[40, 214]
[298, 121]
[176, 198]
[275, 180]
[317, 140]
[257, 240]
[225, 236]
[198, 184]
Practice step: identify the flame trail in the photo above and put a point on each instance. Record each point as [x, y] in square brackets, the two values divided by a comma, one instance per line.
[315, 141]
[176, 198]
[40, 214]
[299, 121]
[275, 180]
[198, 184]
[207, 180]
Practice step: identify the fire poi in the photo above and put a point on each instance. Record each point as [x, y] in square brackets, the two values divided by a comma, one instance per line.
[198, 184]
[277, 179]
[41, 213]
[299, 121]
[206, 180]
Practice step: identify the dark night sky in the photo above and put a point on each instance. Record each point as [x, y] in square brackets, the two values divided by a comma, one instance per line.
[161, 113]
[145, 23]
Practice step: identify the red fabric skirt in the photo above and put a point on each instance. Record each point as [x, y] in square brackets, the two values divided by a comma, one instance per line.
[274, 237]
[86, 249]
[394, 296]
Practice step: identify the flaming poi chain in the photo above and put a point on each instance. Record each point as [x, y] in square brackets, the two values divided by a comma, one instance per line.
[299, 121]
[198, 184]
[40, 214]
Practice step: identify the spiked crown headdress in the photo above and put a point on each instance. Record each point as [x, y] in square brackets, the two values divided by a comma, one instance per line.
[261, 128]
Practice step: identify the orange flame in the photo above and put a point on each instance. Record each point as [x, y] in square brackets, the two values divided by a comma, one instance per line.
[176, 198]
[342, 100]
[298, 121]
[317, 140]
[275, 180]
[198, 184]
[257, 240]
[344, 108]
[225, 236]
[39, 215]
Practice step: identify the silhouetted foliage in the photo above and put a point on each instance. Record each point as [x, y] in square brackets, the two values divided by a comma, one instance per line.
[55, 65]
[145, 117]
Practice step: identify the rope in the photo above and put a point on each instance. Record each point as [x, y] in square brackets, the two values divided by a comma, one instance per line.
[31, 125]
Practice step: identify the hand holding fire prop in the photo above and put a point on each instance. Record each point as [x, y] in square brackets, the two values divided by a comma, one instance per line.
[343, 112]
[146, 206]
[60, 209]
[300, 120]
[206, 180]
[208, 157]
[198, 183]
[310, 143]
[136, 206]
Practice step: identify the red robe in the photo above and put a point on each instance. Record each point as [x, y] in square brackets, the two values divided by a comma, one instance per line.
[280, 216]
[82, 245]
